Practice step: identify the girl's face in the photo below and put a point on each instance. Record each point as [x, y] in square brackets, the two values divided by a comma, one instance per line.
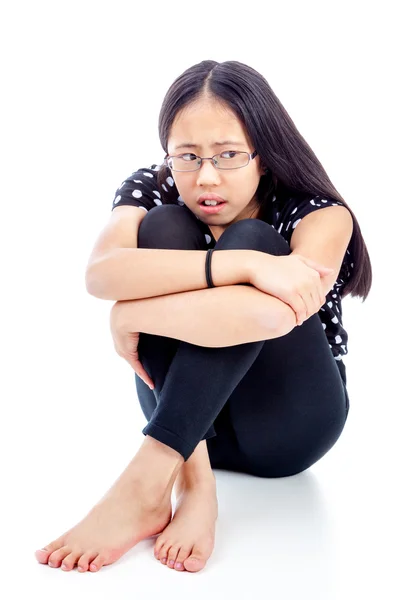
[203, 124]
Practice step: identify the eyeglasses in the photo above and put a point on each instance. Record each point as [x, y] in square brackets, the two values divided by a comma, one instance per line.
[225, 160]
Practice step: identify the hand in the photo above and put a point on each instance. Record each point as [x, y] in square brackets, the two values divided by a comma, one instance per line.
[126, 343]
[294, 279]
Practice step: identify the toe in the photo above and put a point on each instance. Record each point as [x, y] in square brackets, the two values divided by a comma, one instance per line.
[97, 563]
[56, 557]
[43, 555]
[85, 559]
[195, 562]
[181, 557]
[163, 556]
[172, 554]
[69, 561]
[157, 548]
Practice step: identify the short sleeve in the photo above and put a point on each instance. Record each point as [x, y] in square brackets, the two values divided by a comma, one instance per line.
[141, 189]
[294, 209]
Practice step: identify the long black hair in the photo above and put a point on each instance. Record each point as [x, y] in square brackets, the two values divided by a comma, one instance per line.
[290, 163]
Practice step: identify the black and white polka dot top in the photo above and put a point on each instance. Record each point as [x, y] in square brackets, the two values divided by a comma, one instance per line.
[141, 189]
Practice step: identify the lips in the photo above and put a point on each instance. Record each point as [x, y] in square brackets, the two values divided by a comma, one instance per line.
[210, 197]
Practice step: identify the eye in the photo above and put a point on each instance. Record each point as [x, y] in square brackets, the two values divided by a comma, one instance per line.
[188, 157]
[231, 154]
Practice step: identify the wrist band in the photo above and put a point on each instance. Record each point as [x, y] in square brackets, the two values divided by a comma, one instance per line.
[208, 268]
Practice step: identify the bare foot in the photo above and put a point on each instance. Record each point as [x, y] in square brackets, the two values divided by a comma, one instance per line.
[188, 541]
[123, 517]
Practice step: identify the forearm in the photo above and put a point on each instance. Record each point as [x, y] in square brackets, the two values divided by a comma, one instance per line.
[137, 273]
[213, 317]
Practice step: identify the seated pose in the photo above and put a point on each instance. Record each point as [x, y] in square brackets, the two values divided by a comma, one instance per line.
[228, 263]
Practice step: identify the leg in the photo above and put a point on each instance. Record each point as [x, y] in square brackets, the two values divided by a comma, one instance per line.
[170, 227]
[226, 448]
[291, 406]
[182, 379]
[208, 377]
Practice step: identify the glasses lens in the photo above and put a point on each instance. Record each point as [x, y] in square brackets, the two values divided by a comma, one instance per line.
[226, 160]
[184, 162]
[232, 160]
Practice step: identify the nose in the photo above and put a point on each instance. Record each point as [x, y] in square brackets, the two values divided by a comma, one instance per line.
[207, 173]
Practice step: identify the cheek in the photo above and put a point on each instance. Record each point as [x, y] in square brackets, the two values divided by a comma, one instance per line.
[183, 186]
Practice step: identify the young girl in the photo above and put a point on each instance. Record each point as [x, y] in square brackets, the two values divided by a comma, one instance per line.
[233, 311]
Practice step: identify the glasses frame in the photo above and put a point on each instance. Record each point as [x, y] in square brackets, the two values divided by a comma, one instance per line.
[251, 156]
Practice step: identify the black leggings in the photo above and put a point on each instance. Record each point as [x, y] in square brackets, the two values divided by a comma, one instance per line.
[270, 408]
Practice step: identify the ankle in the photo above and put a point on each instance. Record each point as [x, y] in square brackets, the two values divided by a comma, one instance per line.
[195, 480]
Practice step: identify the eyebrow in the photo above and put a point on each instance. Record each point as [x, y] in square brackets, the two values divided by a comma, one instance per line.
[189, 145]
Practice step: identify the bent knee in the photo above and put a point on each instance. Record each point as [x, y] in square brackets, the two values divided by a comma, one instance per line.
[171, 226]
[253, 234]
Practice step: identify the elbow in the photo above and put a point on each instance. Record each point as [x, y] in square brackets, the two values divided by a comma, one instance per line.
[94, 285]
[281, 318]
[288, 320]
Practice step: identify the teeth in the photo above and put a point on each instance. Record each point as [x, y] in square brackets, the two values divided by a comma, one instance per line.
[210, 202]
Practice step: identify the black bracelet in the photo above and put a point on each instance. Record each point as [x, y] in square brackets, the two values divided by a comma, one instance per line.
[208, 268]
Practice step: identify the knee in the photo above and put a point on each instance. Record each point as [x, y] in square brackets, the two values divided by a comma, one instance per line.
[253, 234]
[170, 226]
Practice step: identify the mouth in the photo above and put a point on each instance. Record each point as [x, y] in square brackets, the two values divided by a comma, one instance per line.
[210, 210]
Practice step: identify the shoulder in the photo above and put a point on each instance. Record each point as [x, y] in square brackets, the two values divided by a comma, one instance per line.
[294, 206]
[143, 188]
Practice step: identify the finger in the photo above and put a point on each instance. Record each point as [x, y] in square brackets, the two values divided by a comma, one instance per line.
[318, 266]
[320, 293]
[322, 298]
[315, 301]
[300, 309]
[139, 369]
[309, 306]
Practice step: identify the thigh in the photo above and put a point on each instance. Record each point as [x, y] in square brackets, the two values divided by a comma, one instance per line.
[291, 406]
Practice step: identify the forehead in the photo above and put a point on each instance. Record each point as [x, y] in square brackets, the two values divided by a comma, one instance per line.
[206, 125]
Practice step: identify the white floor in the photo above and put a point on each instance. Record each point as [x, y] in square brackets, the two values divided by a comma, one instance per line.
[329, 533]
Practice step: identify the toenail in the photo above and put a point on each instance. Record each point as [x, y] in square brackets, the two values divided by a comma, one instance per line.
[64, 567]
[164, 561]
[171, 562]
[178, 565]
[51, 564]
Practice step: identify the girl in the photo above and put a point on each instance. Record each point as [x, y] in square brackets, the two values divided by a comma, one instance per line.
[244, 349]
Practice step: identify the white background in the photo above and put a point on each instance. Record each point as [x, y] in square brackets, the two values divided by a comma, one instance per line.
[82, 86]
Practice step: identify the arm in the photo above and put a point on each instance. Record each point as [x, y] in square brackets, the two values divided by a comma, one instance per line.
[135, 273]
[213, 317]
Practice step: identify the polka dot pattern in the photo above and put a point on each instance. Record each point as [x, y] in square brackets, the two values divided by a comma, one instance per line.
[141, 189]
[290, 211]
